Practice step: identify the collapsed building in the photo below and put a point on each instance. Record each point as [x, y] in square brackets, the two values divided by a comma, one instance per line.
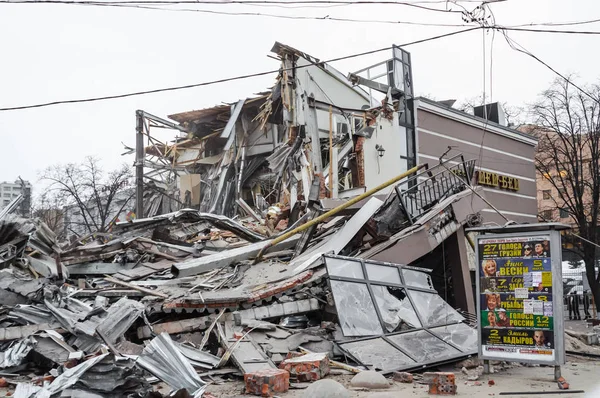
[295, 221]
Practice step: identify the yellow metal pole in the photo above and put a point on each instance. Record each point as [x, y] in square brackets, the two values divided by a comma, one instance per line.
[336, 210]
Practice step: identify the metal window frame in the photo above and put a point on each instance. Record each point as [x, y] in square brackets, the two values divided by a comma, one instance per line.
[407, 290]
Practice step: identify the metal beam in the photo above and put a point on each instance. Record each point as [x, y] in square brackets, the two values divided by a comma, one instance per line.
[139, 163]
[355, 79]
[162, 121]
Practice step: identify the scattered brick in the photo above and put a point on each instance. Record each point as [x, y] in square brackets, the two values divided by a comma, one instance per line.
[282, 225]
[307, 368]
[441, 383]
[3, 382]
[562, 383]
[403, 377]
[491, 383]
[267, 382]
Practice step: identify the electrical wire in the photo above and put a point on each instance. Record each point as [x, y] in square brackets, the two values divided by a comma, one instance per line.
[274, 3]
[515, 46]
[241, 77]
[279, 16]
[559, 23]
[156, 5]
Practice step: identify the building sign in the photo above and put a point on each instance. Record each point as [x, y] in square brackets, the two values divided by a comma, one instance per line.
[517, 302]
[497, 180]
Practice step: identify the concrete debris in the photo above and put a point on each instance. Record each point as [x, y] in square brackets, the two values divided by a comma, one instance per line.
[370, 380]
[326, 388]
[278, 266]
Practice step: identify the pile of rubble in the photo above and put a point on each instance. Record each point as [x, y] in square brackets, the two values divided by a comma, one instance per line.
[173, 303]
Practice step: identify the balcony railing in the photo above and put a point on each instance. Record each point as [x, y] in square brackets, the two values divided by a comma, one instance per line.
[432, 185]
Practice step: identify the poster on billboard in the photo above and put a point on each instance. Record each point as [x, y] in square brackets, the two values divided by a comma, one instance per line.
[516, 298]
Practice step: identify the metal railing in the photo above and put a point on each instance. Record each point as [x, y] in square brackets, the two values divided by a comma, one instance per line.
[429, 187]
[578, 304]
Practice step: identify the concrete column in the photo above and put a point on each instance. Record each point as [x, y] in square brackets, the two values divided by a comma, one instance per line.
[457, 252]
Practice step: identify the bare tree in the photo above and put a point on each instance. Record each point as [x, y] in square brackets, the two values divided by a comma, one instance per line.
[513, 114]
[49, 208]
[568, 158]
[90, 192]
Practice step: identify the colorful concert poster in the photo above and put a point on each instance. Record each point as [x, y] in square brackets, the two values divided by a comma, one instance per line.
[516, 298]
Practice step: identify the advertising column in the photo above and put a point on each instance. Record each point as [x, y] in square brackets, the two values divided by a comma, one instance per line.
[516, 299]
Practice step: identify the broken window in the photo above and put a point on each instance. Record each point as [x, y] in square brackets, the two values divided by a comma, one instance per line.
[424, 347]
[410, 325]
[396, 311]
[378, 354]
[459, 334]
[417, 279]
[355, 309]
[434, 310]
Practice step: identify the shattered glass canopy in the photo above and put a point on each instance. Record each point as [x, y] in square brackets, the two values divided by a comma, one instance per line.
[409, 325]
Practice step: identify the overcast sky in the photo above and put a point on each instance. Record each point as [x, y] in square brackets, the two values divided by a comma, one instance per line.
[59, 52]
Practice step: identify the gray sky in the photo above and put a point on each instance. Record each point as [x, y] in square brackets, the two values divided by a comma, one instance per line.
[56, 52]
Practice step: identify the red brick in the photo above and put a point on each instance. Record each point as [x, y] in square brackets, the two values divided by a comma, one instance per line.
[282, 225]
[309, 367]
[441, 383]
[267, 382]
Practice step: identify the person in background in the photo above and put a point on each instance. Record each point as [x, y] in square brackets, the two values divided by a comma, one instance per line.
[586, 303]
[573, 305]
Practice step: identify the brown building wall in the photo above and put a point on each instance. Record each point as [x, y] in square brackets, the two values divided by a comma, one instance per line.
[504, 153]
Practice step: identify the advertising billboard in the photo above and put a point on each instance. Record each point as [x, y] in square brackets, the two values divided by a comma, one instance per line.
[519, 293]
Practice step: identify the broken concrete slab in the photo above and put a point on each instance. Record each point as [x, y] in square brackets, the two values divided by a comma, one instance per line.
[258, 313]
[203, 264]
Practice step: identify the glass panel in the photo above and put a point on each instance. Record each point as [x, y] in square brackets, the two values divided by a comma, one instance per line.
[459, 334]
[434, 311]
[345, 268]
[417, 279]
[377, 353]
[398, 76]
[395, 308]
[383, 273]
[424, 347]
[355, 309]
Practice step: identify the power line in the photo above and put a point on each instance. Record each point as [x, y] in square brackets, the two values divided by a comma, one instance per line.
[148, 5]
[560, 23]
[236, 2]
[296, 17]
[515, 46]
[580, 32]
[241, 77]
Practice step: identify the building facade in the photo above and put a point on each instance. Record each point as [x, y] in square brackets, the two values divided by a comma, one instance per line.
[504, 157]
[11, 190]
